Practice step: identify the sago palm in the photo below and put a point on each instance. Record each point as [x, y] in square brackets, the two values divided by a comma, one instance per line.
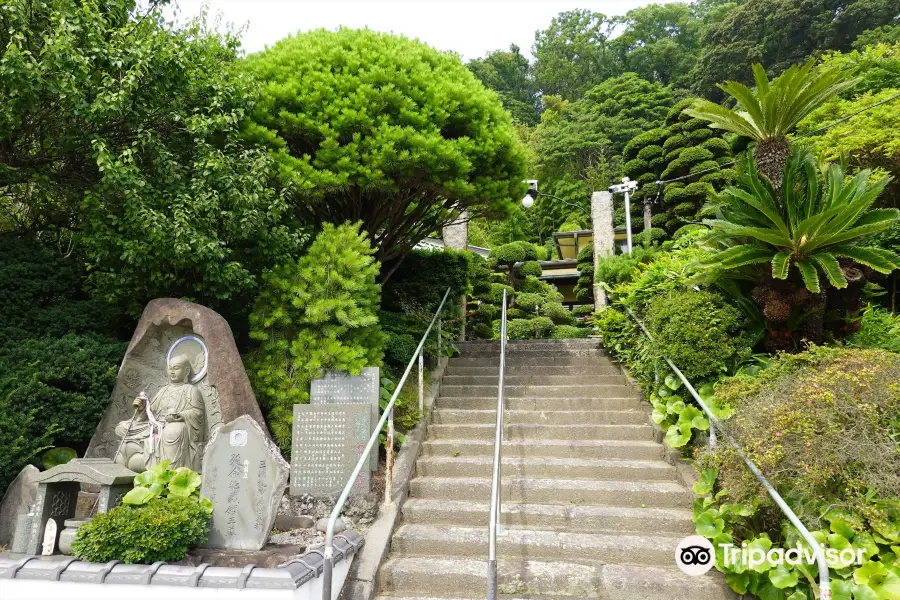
[771, 111]
[809, 226]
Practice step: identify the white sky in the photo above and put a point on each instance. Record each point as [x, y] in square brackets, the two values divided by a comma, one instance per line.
[469, 27]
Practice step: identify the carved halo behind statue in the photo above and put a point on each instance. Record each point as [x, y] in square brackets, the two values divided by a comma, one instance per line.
[171, 425]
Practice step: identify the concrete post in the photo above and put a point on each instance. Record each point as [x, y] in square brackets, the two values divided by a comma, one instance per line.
[604, 237]
[456, 237]
[648, 213]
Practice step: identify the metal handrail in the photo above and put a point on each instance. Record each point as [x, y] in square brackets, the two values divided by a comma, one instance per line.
[821, 562]
[387, 415]
[494, 515]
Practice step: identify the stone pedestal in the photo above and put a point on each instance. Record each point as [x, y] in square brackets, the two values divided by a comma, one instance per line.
[456, 237]
[604, 237]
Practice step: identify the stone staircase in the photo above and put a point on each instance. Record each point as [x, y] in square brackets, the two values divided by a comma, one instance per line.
[590, 508]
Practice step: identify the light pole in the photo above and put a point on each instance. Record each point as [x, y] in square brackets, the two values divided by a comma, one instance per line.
[533, 193]
[627, 186]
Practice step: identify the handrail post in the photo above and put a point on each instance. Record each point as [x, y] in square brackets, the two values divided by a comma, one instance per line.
[387, 416]
[389, 462]
[421, 384]
[821, 562]
[439, 338]
[494, 515]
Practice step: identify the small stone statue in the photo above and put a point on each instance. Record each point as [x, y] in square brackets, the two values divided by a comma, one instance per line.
[170, 427]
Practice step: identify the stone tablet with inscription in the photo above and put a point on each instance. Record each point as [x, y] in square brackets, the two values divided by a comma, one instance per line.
[244, 476]
[327, 443]
[337, 387]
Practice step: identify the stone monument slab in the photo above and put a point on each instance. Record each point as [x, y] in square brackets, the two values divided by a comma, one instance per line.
[336, 387]
[19, 496]
[328, 440]
[244, 476]
[217, 373]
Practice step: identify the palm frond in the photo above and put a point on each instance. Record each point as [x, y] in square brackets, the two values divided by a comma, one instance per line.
[809, 275]
[720, 117]
[781, 262]
[829, 265]
[883, 261]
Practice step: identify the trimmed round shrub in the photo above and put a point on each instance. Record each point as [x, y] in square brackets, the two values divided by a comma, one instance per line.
[528, 301]
[400, 348]
[495, 296]
[161, 530]
[542, 327]
[486, 313]
[583, 309]
[480, 331]
[531, 268]
[564, 332]
[697, 331]
[554, 295]
[508, 253]
[520, 329]
[557, 313]
[533, 285]
[516, 313]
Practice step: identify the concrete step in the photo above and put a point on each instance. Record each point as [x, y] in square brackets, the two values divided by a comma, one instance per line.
[540, 391]
[460, 577]
[548, 468]
[583, 449]
[493, 370]
[628, 494]
[629, 582]
[583, 351]
[542, 432]
[538, 404]
[591, 361]
[551, 517]
[579, 378]
[472, 542]
[449, 416]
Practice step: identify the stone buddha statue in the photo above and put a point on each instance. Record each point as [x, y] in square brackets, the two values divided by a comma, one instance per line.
[171, 426]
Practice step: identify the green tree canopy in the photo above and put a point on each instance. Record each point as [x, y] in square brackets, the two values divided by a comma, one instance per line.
[660, 42]
[118, 137]
[509, 74]
[381, 129]
[780, 33]
[573, 53]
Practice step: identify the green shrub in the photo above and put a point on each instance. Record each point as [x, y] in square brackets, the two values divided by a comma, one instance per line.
[542, 327]
[528, 301]
[583, 309]
[651, 236]
[163, 482]
[163, 529]
[558, 313]
[496, 294]
[563, 332]
[620, 267]
[822, 424]
[533, 285]
[20, 441]
[878, 329]
[70, 378]
[520, 329]
[515, 313]
[531, 268]
[697, 331]
[399, 348]
[315, 314]
[424, 276]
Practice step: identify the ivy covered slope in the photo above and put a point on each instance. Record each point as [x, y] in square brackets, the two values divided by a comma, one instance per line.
[381, 129]
[319, 312]
[682, 146]
[120, 137]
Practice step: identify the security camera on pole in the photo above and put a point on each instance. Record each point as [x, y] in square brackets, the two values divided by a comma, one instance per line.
[627, 186]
